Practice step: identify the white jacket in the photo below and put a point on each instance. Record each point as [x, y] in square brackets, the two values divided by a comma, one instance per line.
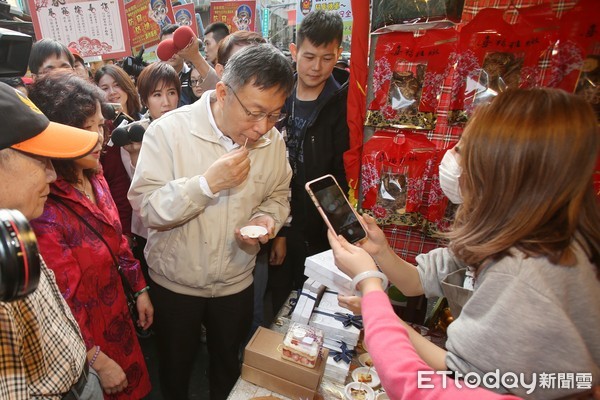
[191, 246]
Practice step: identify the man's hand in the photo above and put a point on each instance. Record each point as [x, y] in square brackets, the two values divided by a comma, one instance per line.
[278, 251]
[191, 52]
[265, 221]
[229, 171]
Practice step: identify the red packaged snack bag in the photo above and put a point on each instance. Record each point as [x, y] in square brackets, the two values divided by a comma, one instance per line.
[574, 64]
[492, 57]
[394, 170]
[408, 76]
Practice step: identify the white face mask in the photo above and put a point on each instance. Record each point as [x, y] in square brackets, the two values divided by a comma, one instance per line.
[449, 175]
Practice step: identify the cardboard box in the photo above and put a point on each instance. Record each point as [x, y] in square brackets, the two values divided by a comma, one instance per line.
[276, 384]
[262, 353]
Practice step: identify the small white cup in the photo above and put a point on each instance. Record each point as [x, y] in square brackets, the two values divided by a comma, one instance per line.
[253, 231]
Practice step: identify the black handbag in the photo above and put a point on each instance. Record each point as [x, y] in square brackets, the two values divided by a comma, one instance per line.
[129, 292]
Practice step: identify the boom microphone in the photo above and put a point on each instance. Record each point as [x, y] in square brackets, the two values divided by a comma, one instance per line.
[136, 133]
[120, 137]
[128, 134]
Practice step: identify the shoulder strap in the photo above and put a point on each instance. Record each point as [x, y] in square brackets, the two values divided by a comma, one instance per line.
[91, 228]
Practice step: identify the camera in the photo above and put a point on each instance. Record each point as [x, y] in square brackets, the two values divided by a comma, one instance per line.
[14, 53]
[19, 256]
[134, 65]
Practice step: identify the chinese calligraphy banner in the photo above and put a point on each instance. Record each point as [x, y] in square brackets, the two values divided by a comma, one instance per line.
[94, 27]
[237, 15]
[145, 19]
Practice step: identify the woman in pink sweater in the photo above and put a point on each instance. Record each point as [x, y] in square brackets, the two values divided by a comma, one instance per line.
[527, 236]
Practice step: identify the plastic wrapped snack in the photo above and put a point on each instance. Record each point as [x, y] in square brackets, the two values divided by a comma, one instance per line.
[302, 344]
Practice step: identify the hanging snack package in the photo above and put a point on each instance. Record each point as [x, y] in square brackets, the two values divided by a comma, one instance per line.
[575, 65]
[386, 13]
[493, 56]
[578, 36]
[408, 76]
[393, 188]
[395, 168]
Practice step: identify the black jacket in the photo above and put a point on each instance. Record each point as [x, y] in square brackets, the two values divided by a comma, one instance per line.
[326, 139]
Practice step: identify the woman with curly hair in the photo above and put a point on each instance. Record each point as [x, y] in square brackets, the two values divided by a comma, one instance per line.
[82, 262]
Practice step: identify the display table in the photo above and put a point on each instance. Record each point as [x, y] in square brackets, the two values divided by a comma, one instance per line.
[328, 389]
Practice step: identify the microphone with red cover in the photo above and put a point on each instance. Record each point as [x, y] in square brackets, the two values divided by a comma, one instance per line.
[181, 38]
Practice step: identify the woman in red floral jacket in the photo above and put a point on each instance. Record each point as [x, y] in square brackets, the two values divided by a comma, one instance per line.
[81, 261]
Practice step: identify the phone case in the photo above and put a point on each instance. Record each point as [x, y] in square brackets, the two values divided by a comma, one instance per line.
[320, 208]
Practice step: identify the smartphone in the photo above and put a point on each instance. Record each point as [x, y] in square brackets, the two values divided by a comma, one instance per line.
[335, 209]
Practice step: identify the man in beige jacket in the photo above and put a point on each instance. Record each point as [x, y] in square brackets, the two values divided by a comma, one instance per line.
[205, 171]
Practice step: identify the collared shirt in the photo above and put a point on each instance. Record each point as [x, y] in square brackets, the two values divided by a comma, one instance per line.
[224, 141]
[42, 353]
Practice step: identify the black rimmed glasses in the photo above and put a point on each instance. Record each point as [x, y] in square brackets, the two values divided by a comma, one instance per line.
[256, 116]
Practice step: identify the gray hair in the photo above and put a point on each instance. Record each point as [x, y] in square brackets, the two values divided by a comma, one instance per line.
[263, 66]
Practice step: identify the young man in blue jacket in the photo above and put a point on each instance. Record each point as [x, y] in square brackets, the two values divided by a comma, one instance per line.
[317, 137]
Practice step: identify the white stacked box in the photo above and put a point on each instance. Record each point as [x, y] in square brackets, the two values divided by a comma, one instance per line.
[314, 286]
[333, 328]
[334, 344]
[304, 307]
[329, 301]
[336, 370]
[321, 267]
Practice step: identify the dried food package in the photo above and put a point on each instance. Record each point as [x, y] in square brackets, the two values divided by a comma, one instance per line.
[575, 65]
[579, 37]
[392, 12]
[394, 170]
[408, 75]
[493, 56]
[393, 188]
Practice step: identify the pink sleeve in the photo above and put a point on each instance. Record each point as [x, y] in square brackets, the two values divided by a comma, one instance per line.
[397, 362]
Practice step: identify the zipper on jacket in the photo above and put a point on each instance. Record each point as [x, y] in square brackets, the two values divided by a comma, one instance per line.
[312, 146]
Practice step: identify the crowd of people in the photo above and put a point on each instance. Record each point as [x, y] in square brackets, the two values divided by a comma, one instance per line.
[230, 140]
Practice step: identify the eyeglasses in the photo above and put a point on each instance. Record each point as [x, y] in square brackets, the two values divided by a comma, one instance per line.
[256, 116]
[196, 82]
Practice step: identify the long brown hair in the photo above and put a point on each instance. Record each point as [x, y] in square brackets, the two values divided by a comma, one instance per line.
[528, 160]
[134, 106]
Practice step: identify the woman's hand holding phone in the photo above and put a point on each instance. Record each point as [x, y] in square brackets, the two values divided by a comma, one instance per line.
[350, 259]
[376, 243]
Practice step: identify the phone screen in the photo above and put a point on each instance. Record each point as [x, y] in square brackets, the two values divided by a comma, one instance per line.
[337, 209]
